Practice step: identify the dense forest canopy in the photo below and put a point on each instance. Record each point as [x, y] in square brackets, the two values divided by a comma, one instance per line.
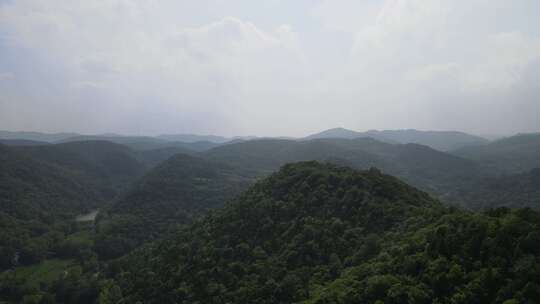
[315, 233]
[216, 223]
[510, 155]
[270, 152]
[170, 195]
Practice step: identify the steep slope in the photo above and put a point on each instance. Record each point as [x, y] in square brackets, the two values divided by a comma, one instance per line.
[515, 191]
[29, 186]
[108, 166]
[438, 140]
[514, 154]
[35, 199]
[169, 195]
[315, 233]
[291, 224]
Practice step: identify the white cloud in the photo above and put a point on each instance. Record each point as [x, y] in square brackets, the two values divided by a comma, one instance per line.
[415, 57]
[229, 66]
[235, 67]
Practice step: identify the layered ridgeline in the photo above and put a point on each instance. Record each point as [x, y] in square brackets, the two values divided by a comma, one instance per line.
[515, 154]
[105, 166]
[186, 186]
[144, 143]
[171, 194]
[439, 140]
[511, 174]
[314, 233]
[498, 176]
[426, 168]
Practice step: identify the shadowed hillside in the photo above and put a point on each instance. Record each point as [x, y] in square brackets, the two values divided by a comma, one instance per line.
[169, 195]
[314, 233]
[109, 166]
[514, 154]
[431, 170]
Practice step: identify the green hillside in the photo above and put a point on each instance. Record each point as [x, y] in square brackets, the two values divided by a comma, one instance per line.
[29, 187]
[169, 195]
[37, 201]
[314, 233]
[107, 165]
[519, 153]
[515, 191]
[423, 167]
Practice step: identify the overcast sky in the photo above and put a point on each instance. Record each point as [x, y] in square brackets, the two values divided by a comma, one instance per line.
[269, 67]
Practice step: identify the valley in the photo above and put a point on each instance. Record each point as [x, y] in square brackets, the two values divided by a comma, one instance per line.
[270, 152]
[311, 219]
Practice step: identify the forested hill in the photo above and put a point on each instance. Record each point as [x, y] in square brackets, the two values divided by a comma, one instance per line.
[514, 191]
[314, 233]
[285, 229]
[186, 185]
[106, 165]
[169, 195]
[29, 187]
[35, 197]
[515, 154]
[426, 168]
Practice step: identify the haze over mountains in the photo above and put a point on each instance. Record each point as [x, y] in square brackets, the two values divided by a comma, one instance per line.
[149, 189]
[270, 152]
[439, 140]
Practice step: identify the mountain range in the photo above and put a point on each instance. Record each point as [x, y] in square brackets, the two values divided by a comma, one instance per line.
[439, 140]
[314, 233]
[322, 220]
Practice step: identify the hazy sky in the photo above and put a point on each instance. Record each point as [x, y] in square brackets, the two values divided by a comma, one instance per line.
[269, 67]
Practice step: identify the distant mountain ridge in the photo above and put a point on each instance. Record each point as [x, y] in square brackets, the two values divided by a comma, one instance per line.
[22, 142]
[105, 165]
[514, 154]
[422, 166]
[36, 136]
[190, 138]
[439, 140]
[144, 143]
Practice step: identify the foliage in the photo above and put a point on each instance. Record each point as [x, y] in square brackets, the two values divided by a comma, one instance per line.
[511, 155]
[317, 233]
[169, 195]
[515, 190]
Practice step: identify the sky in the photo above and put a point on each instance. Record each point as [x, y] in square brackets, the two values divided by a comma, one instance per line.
[269, 67]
